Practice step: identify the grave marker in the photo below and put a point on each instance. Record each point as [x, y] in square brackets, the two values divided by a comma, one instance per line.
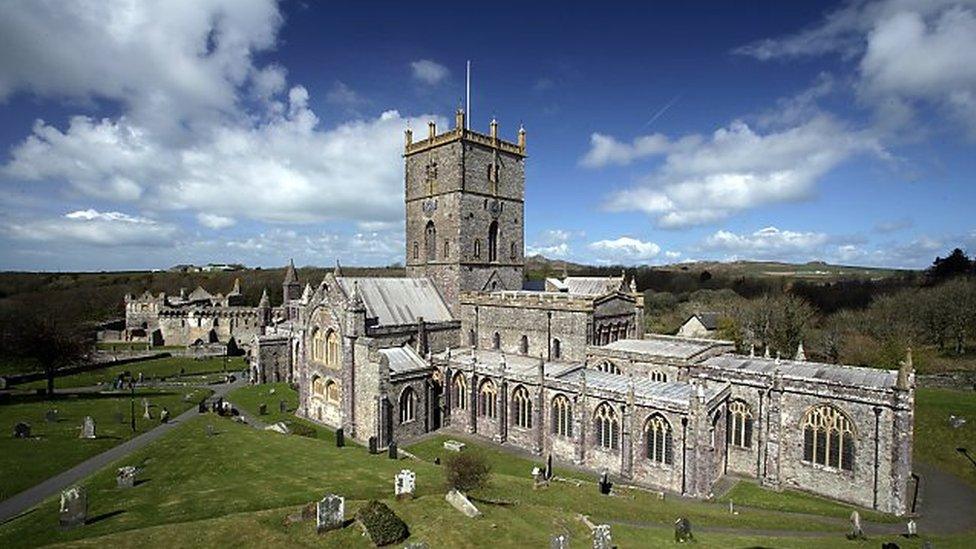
[404, 483]
[330, 513]
[602, 538]
[88, 428]
[74, 507]
[126, 476]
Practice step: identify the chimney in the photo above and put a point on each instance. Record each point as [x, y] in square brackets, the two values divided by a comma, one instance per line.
[431, 130]
[422, 347]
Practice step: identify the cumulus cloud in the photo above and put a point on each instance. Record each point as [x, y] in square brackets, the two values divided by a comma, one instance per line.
[767, 243]
[625, 248]
[706, 179]
[605, 150]
[429, 72]
[97, 228]
[214, 221]
[552, 243]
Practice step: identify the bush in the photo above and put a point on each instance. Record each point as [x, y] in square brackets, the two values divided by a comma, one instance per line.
[382, 524]
[467, 471]
[302, 430]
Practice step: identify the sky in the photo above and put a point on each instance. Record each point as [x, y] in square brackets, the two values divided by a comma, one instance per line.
[138, 135]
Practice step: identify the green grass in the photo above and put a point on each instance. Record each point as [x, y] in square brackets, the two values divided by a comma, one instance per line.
[751, 495]
[167, 367]
[55, 447]
[936, 441]
[250, 398]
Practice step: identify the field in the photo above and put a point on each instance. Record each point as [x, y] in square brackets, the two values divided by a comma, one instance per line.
[253, 479]
[936, 441]
[169, 368]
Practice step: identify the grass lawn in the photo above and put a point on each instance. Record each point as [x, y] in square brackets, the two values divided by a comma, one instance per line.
[935, 440]
[55, 447]
[752, 495]
[250, 398]
[167, 367]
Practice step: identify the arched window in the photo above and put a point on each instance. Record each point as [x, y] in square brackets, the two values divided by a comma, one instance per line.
[658, 376]
[487, 399]
[332, 392]
[657, 439]
[407, 405]
[522, 407]
[430, 241]
[333, 349]
[739, 424]
[562, 416]
[608, 367]
[318, 345]
[416, 250]
[318, 386]
[524, 345]
[496, 341]
[513, 252]
[472, 341]
[493, 241]
[556, 350]
[459, 396]
[828, 438]
[477, 248]
[447, 249]
[606, 427]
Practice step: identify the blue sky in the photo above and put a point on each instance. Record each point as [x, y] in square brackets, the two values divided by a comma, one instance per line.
[140, 135]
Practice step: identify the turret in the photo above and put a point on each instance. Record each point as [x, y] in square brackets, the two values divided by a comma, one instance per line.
[291, 288]
[459, 119]
[264, 309]
[493, 129]
[355, 314]
[431, 130]
[521, 138]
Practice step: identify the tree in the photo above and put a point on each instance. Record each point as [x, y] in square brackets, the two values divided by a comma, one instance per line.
[956, 263]
[53, 346]
[467, 471]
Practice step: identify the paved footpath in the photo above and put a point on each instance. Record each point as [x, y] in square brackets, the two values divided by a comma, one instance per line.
[26, 500]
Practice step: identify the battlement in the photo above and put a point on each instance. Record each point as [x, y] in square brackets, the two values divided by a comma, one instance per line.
[460, 133]
[528, 299]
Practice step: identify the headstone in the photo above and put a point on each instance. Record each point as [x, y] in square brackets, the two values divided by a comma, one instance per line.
[51, 416]
[88, 428]
[731, 508]
[404, 483]
[453, 445]
[340, 438]
[437, 460]
[74, 507]
[462, 503]
[912, 529]
[539, 478]
[263, 409]
[956, 421]
[202, 407]
[279, 427]
[392, 451]
[141, 378]
[605, 484]
[147, 414]
[856, 531]
[126, 476]
[330, 513]
[682, 530]
[22, 430]
[601, 537]
[548, 471]
[164, 416]
[282, 406]
[560, 541]
[272, 391]
[372, 445]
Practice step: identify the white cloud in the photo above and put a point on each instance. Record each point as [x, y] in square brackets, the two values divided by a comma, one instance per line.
[429, 72]
[706, 179]
[96, 228]
[344, 96]
[625, 248]
[767, 243]
[552, 243]
[605, 150]
[214, 221]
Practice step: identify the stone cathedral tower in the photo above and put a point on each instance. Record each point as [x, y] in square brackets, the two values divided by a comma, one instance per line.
[465, 196]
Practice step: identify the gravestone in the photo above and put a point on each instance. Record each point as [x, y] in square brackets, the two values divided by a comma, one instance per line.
[88, 428]
[147, 414]
[605, 484]
[51, 416]
[404, 483]
[856, 531]
[263, 409]
[330, 513]
[74, 507]
[911, 529]
[164, 416]
[560, 541]
[126, 476]
[548, 471]
[202, 407]
[392, 451]
[372, 445]
[453, 445]
[279, 427]
[22, 430]
[340, 438]
[282, 406]
[601, 537]
[462, 503]
[539, 478]
[682, 530]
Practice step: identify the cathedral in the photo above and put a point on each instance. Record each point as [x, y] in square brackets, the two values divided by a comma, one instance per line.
[459, 346]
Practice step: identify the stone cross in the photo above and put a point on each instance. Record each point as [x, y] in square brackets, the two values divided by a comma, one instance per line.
[74, 507]
[601, 537]
[126, 476]
[404, 483]
[330, 513]
[88, 428]
[560, 541]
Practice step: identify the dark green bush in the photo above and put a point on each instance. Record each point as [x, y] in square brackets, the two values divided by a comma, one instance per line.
[382, 524]
[467, 471]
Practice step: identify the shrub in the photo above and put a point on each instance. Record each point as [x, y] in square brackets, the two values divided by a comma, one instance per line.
[302, 430]
[467, 471]
[382, 524]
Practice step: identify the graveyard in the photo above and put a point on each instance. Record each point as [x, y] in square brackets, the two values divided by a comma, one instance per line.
[213, 481]
[174, 368]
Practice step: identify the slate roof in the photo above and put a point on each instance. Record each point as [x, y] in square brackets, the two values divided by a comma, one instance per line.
[678, 392]
[517, 365]
[708, 320]
[396, 301]
[665, 346]
[403, 359]
[854, 376]
[587, 285]
[199, 294]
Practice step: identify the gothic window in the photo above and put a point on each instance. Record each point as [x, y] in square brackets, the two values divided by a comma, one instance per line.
[430, 241]
[512, 253]
[493, 241]
[658, 376]
[606, 427]
[477, 248]
[608, 367]
[332, 392]
[416, 250]
[524, 345]
[318, 387]
[828, 438]
[407, 405]
[459, 397]
[556, 349]
[472, 340]
[658, 439]
[318, 345]
[496, 341]
[487, 399]
[447, 249]
[739, 424]
[333, 353]
[562, 416]
[522, 407]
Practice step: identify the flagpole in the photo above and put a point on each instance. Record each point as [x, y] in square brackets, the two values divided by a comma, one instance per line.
[467, 107]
